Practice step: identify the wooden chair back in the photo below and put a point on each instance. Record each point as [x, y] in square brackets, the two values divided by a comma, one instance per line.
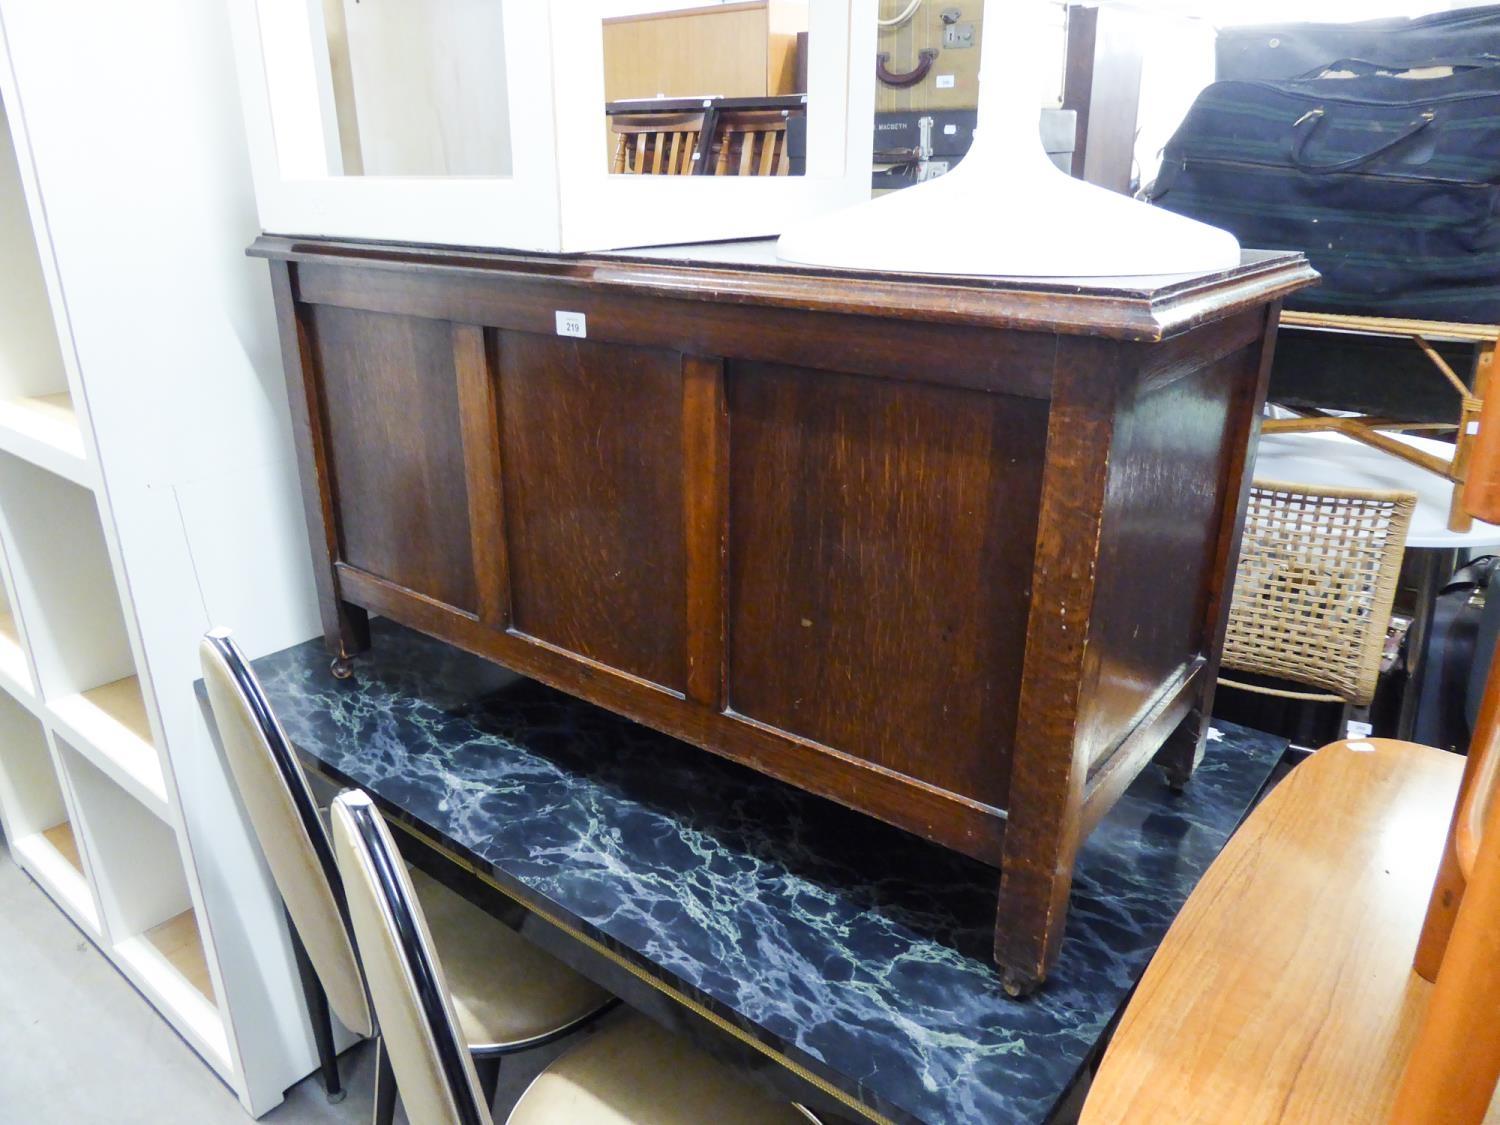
[751, 142]
[655, 144]
[1314, 587]
[1454, 1066]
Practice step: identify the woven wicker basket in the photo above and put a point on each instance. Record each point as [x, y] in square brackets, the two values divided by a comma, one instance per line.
[1314, 586]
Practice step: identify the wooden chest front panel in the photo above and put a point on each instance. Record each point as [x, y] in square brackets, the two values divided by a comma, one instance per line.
[591, 449]
[825, 573]
[395, 450]
[846, 626]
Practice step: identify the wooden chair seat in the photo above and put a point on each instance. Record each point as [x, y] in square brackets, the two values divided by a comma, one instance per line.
[1284, 991]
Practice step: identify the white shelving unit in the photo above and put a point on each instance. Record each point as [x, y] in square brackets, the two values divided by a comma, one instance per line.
[37, 419]
[38, 818]
[147, 492]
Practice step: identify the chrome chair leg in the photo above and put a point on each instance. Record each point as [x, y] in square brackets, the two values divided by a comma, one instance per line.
[318, 1015]
[385, 1085]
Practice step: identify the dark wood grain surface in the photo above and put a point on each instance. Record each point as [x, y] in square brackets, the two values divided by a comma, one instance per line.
[396, 454]
[846, 626]
[949, 551]
[592, 434]
[1148, 309]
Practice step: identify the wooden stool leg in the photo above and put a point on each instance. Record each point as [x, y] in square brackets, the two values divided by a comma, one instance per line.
[1477, 458]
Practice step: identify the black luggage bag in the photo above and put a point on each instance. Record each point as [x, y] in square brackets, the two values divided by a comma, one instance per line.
[1287, 50]
[1456, 656]
[1389, 183]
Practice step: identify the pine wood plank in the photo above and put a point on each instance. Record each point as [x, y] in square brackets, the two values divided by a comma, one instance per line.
[177, 940]
[61, 837]
[1284, 990]
[122, 701]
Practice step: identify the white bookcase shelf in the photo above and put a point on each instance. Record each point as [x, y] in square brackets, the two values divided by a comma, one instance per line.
[126, 530]
[38, 817]
[15, 671]
[109, 725]
[43, 429]
[149, 915]
[61, 567]
[37, 418]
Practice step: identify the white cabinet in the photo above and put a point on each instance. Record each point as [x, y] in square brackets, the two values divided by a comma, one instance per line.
[147, 492]
[482, 123]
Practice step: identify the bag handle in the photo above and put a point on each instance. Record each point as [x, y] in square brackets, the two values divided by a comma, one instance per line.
[1369, 67]
[1307, 125]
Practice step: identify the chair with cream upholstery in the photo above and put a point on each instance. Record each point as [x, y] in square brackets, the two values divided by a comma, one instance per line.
[507, 995]
[634, 1073]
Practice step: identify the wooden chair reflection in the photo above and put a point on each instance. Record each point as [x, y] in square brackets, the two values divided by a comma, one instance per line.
[1285, 989]
[751, 142]
[655, 144]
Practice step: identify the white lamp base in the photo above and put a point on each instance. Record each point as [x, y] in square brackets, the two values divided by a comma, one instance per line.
[1041, 224]
[1007, 210]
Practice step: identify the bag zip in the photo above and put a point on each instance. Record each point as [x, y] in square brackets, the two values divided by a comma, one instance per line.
[1346, 99]
[1219, 162]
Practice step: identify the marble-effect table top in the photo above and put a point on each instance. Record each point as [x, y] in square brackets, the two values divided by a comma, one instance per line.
[853, 948]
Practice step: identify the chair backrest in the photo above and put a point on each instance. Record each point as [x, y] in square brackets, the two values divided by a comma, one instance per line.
[1454, 1065]
[655, 144]
[434, 1071]
[751, 142]
[1314, 586]
[285, 818]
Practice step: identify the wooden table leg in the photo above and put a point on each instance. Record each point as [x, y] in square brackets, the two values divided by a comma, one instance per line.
[1050, 756]
[346, 627]
[1468, 423]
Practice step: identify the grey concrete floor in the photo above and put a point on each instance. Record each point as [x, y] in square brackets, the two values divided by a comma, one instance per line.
[78, 1043]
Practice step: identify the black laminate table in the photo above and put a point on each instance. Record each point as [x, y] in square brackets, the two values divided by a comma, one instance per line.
[841, 961]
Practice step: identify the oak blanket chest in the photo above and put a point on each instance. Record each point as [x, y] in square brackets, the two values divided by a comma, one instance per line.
[949, 551]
